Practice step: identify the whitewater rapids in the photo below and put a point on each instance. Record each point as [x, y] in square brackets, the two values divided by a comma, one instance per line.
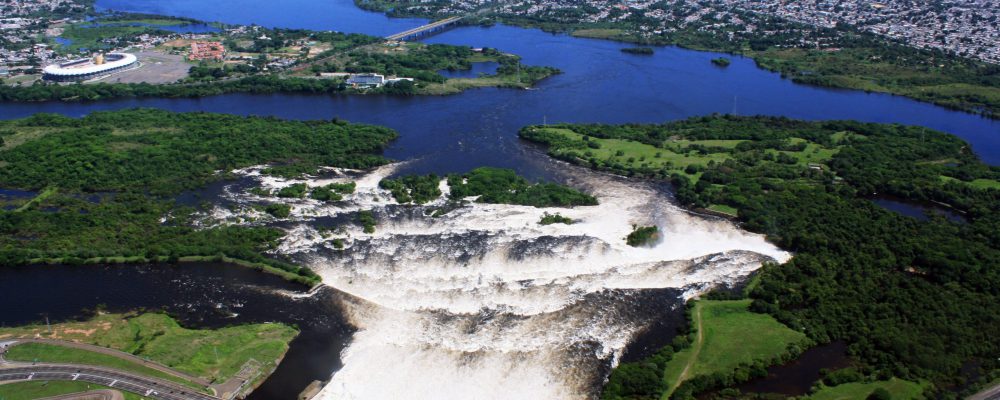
[486, 303]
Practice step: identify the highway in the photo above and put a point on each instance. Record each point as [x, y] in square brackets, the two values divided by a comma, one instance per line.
[147, 387]
[992, 393]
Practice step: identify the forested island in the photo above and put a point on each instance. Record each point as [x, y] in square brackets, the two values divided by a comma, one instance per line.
[915, 298]
[103, 188]
[487, 185]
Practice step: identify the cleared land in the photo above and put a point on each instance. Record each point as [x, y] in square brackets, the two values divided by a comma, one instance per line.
[215, 355]
[728, 335]
[898, 388]
[156, 68]
[39, 389]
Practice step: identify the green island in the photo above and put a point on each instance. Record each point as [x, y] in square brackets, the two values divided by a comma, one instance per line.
[106, 183]
[885, 283]
[549, 219]
[202, 359]
[642, 236]
[638, 50]
[721, 61]
[841, 56]
[489, 185]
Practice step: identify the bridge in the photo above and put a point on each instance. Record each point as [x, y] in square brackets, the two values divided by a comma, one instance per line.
[435, 26]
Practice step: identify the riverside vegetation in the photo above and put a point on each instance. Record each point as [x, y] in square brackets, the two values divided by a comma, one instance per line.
[214, 355]
[110, 178]
[488, 185]
[914, 299]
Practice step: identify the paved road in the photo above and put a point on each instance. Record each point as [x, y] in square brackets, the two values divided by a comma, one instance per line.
[115, 353]
[148, 387]
[992, 393]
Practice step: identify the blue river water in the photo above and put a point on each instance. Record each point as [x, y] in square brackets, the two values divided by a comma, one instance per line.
[479, 127]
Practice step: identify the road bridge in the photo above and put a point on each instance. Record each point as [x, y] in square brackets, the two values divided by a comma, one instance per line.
[432, 27]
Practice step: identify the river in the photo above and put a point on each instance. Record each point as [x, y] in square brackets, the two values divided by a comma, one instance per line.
[483, 303]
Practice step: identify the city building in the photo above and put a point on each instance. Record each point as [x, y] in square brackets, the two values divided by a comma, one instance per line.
[89, 68]
[207, 51]
[366, 80]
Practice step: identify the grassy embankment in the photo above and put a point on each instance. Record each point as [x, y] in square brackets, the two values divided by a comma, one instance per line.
[215, 355]
[39, 389]
[899, 389]
[727, 335]
[49, 353]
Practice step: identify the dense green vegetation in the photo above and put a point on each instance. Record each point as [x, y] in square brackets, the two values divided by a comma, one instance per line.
[642, 235]
[215, 355]
[167, 152]
[132, 162]
[549, 219]
[504, 186]
[413, 188]
[367, 220]
[332, 192]
[914, 299]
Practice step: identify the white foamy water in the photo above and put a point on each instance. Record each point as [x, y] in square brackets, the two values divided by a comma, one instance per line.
[486, 303]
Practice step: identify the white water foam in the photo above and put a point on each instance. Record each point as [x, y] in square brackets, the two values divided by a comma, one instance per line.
[486, 303]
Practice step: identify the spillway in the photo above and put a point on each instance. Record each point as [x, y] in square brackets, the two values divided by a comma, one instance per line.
[484, 302]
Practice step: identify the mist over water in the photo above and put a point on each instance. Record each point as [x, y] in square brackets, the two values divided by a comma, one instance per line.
[484, 302]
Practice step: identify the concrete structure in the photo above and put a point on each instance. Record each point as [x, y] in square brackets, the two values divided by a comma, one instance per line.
[426, 29]
[207, 51]
[372, 80]
[86, 68]
[366, 80]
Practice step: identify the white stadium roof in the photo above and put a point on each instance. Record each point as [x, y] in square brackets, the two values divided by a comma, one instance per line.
[74, 68]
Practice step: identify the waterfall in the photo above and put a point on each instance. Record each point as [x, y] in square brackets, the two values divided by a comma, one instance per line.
[483, 302]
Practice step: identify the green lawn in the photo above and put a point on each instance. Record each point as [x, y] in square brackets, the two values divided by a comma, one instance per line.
[722, 208]
[210, 354]
[730, 334]
[636, 153]
[38, 389]
[40, 352]
[898, 388]
[976, 183]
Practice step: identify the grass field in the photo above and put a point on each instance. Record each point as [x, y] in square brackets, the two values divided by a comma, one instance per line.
[976, 183]
[38, 389]
[722, 208]
[728, 335]
[676, 155]
[40, 352]
[898, 388]
[210, 354]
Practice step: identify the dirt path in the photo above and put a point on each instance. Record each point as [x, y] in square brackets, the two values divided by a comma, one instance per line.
[695, 350]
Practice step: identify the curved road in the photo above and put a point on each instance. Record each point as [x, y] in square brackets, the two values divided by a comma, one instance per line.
[148, 387]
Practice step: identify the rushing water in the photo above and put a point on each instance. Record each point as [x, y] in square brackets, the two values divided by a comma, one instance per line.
[484, 302]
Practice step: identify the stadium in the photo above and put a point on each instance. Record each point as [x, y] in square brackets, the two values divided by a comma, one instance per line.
[86, 68]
